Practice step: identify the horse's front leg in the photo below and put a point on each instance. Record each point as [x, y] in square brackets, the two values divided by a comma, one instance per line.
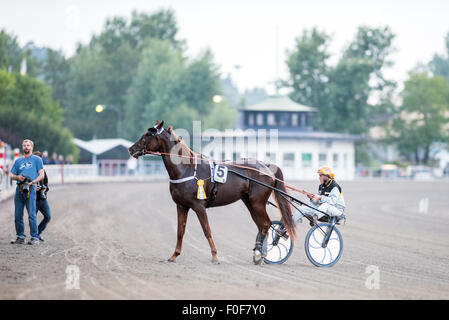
[182, 220]
[202, 217]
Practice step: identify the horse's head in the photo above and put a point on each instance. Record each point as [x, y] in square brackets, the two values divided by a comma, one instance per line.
[150, 141]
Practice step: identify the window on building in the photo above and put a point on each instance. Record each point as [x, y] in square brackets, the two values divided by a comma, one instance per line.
[345, 160]
[235, 156]
[288, 160]
[271, 119]
[259, 119]
[303, 119]
[223, 156]
[251, 119]
[322, 159]
[335, 160]
[284, 119]
[294, 119]
[306, 159]
[329, 144]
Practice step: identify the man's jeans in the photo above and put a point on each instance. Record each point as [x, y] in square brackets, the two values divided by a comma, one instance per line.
[21, 201]
[44, 208]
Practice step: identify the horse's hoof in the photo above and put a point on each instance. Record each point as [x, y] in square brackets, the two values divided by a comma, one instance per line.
[257, 257]
[171, 260]
[215, 261]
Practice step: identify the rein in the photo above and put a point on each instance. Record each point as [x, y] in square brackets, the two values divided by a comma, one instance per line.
[219, 162]
[195, 158]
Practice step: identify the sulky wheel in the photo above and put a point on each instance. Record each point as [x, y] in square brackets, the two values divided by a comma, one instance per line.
[319, 253]
[278, 244]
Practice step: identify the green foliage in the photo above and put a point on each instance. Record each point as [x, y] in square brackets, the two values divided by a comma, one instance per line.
[29, 95]
[10, 52]
[136, 66]
[12, 55]
[169, 87]
[54, 71]
[46, 134]
[221, 117]
[309, 72]
[439, 65]
[341, 93]
[151, 95]
[422, 118]
[27, 109]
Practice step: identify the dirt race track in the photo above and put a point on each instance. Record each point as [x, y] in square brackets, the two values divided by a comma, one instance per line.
[120, 236]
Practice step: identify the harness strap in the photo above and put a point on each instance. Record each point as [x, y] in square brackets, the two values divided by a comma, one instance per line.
[187, 178]
[212, 196]
[182, 180]
[212, 167]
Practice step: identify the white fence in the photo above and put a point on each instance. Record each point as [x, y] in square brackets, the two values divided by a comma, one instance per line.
[104, 171]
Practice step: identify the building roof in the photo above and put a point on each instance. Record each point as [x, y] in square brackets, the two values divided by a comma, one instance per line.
[278, 103]
[99, 146]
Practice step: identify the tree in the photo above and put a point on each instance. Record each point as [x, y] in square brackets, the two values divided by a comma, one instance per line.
[152, 94]
[28, 111]
[309, 72]
[221, 117]
[103, 71]
[439, 64]
[171, 87]
[54, 71]
[341, 93]
[422, 119]
[10, 52]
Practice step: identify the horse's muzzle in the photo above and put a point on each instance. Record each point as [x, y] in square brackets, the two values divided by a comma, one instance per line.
[137, 154]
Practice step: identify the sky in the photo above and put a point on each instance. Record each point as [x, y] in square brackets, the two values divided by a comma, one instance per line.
[254, 35]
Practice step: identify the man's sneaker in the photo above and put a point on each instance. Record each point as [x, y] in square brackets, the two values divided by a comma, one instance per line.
[33, 241]
[18, 241]
[41, 239]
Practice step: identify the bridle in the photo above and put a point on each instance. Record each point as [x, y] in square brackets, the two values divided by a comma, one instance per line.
[153, 132]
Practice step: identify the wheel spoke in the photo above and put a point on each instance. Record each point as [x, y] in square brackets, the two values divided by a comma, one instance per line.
[280, 254]
[330, 254]
[323, 257]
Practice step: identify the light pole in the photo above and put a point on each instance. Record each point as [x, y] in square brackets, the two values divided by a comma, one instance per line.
[101, 107]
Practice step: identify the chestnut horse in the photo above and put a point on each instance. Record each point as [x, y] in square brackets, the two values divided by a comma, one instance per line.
[183, 187]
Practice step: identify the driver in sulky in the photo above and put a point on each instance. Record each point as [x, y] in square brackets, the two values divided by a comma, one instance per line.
[329, 198]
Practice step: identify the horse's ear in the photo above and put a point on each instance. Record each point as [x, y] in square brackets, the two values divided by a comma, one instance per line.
[159, 124]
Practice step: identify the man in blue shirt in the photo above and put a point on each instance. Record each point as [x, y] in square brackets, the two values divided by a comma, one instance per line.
[27, 170]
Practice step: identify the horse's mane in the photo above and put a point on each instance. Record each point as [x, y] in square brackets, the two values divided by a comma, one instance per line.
[184, 149]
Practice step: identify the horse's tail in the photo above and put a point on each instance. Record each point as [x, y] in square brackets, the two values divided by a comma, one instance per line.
[282, 203]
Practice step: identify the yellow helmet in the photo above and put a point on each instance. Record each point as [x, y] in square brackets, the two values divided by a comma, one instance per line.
[326, 171]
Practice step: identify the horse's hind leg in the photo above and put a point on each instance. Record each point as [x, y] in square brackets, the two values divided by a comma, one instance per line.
[182, 220]
[264, 225]
[202, 217]
[258, 211]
